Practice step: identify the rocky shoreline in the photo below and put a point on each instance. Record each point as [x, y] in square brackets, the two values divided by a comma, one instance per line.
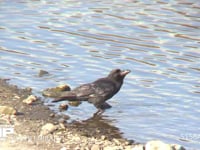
[35, 127]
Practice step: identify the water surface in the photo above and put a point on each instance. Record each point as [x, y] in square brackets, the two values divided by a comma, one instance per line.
[80, 41]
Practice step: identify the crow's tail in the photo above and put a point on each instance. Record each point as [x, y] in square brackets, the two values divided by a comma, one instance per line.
[69, 96]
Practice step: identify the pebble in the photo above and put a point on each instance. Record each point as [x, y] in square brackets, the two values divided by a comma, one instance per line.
[42, 73]
[157, 145]
[113, 148]
[116, 141]
[177, 147]
[129, 142]
[138, 147]
[58, 140]
[130, 147]
[48, 128]
[56, 91]
[95, 147]
[63, 107]
[103, 137]
[52, 115]
[63, 148]
[64, 87]
[74, 103]
[61, 125]
[65, 117]
[29, 100]
[28, 89]
[7, 110]
[16, 97]
[61, 120]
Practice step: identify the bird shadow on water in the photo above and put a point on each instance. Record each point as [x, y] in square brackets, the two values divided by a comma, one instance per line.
[97, 126]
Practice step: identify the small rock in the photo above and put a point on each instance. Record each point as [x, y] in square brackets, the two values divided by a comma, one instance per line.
[130, 147]
[58, 140]
[63, 107]
[16, 97]
[103, 137]
[74, 103]
[7, 110]
[116, 141]
[65, 117]
[29, 100]
[63, 148]
[42, 73]
[52, 115]
[95, 147]
[129, 142]
[76, 138]
[63, 87]
[113, 148]
[157, 145]
[48, 128]
[61, 125]
[61, 120]
[29, 89]
[138, 147]
[55, 91]
[177, 147]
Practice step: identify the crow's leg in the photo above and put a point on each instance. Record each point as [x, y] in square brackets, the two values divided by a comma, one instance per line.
[99, 112]
[101, 108]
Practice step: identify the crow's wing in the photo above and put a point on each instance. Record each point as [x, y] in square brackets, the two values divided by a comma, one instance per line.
[84, 91]
[80, 93]
[104, 90]
[97, 92]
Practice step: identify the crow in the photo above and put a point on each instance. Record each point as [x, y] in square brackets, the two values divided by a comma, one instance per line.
[97, 92]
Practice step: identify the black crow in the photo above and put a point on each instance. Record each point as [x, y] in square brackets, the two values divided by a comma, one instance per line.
[98, 91]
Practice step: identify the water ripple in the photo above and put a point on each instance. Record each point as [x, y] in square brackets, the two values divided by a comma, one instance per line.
[78, 42]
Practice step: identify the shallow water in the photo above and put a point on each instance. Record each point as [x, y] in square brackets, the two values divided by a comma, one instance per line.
[80, 41]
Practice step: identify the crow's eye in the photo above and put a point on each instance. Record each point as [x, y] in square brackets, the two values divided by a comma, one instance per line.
[118, 70]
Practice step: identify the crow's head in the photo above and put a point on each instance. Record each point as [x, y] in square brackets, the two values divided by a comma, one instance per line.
[118, 75]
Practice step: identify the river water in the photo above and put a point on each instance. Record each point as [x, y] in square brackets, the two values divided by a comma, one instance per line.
[80, 41]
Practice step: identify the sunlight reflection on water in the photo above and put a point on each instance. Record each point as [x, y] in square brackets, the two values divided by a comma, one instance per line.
[78, 42]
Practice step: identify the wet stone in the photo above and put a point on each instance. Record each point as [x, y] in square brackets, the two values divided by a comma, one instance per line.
[63, 148]
[7, 110]
[55, 91]
[52, 115]
[29, 100]
[116, 141]
[129, 142]
[177, 147]
[138, 147]
[103, 137]
[61, 120]
[95, 147]
[157, 145]
[113, 148]
[43, 73]
[74, 103]
[63, 107]
[66, 117]
[130, 147]
[48, 128]
[62, 125]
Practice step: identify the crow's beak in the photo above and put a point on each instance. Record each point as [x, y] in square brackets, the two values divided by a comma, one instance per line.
[125, 72]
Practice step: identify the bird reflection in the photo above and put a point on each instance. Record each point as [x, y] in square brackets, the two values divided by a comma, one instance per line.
[96, 126]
